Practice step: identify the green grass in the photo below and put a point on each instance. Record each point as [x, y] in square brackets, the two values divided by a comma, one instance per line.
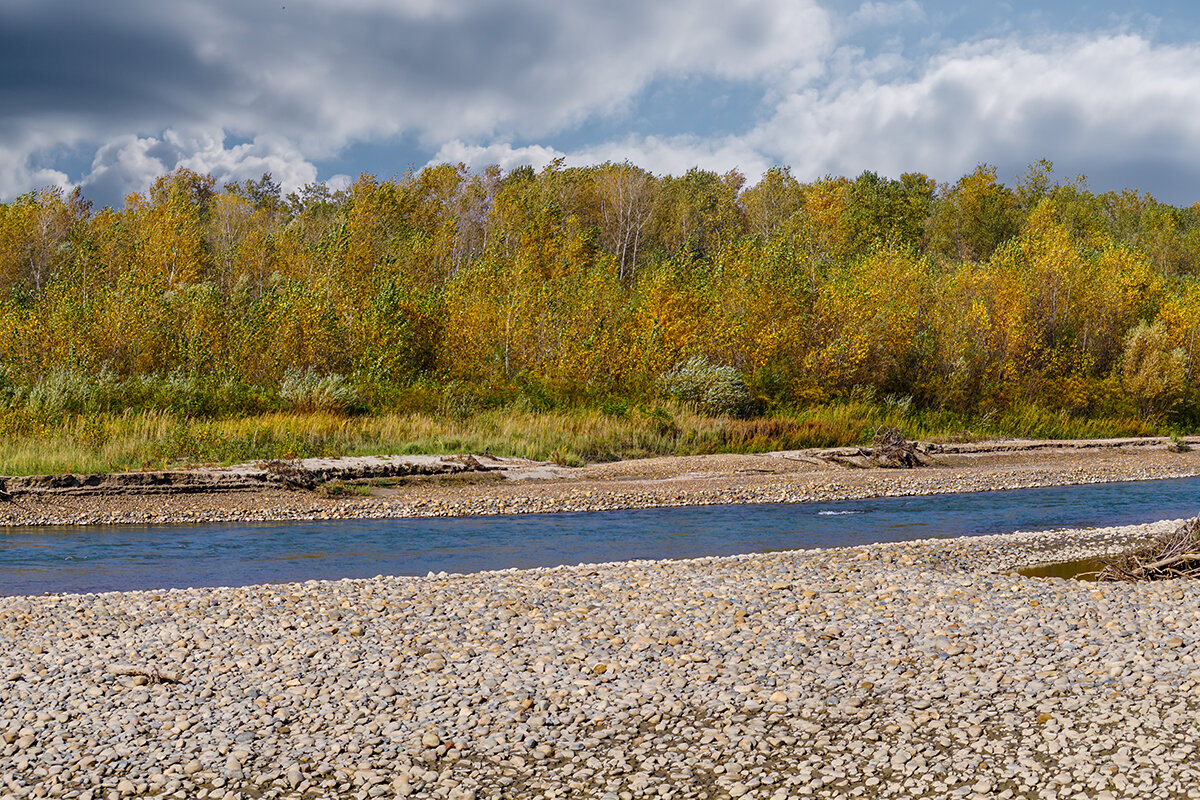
[159, 439]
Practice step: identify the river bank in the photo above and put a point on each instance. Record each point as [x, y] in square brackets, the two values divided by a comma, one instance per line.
[915, 669]
[428, 486]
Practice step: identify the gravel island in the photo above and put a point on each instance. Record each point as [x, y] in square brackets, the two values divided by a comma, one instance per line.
[916, 669]
[440, 486]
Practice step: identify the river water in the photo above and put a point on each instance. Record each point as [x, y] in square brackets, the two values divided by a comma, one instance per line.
[34, 560]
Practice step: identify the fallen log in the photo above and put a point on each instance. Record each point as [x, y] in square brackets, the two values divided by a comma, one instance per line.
[1175, 554]
[1172, 561]
[891, 450]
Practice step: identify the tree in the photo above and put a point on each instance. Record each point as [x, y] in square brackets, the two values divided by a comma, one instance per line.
[172, 225]
[973, 218]
[35, 237]
[626, 203]
[1151, 370]
[772, 201]
[699, 213]
[881, 211]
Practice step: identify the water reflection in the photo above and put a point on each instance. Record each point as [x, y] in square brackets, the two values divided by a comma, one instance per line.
[1085, 569]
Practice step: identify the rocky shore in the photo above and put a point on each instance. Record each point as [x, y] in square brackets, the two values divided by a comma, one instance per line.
[917, 669]
[425, 486]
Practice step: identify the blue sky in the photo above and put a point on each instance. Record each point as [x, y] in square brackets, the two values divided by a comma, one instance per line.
[110, 95]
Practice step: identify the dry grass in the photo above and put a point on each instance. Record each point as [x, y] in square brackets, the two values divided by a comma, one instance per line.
[159, 439]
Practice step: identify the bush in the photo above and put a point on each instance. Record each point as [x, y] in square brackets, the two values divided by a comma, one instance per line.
[190, 394]
[305, 390]
[1153, 372]
[73, 391]
[10, 389]
[709, 388]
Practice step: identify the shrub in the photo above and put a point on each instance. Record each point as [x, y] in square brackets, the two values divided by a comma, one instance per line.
[709, 388]
[305, 390]
[10, 389]
[73, 391]
[1153, 372]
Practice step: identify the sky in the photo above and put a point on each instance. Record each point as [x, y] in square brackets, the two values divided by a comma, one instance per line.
[110, 95]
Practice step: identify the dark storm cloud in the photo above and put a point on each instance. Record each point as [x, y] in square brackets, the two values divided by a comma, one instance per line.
[300, 79]
[65, 59]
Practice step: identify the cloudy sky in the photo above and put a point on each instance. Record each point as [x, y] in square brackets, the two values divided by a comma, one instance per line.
[109, 95]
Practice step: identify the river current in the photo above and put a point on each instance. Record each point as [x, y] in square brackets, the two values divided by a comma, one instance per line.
[34, 560]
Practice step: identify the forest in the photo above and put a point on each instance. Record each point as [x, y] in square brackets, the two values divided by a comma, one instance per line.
[581, 313]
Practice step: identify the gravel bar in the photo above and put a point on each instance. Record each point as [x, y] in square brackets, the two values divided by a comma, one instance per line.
[913, 669]
[648, 483]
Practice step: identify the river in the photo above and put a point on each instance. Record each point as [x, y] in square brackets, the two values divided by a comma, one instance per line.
[57, 559]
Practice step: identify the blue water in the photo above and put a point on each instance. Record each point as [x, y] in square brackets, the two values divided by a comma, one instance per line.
[104, 558]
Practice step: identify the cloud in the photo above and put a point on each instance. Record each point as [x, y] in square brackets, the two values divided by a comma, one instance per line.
[130, 163]
[124, 165]
[675, 155]
[502, 154]
[18, 175]
[873, 14]
[301, 79]
[663, 155]
[1115, 106]
[1079, 100]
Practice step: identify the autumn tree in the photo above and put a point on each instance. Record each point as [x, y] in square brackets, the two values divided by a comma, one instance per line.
[772, 202]
[699, 213]
[974, 217]
[626, 204]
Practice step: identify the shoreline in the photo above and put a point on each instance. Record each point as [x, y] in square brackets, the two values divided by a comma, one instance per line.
[433, 486]
[904, 669]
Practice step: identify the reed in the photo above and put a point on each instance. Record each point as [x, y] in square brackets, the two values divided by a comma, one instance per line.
[156, 439]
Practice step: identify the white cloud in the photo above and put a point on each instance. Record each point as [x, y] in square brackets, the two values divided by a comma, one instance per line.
[1099, 98]
[672, 155]
[339, 182]
[675, 155]
[502, 154]
[130, 163]
[1118, 103]
[123, 166]
[18, 175]
[207, 153]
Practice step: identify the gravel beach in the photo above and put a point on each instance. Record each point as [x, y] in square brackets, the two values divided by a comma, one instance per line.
[916, 669]
[523, 487]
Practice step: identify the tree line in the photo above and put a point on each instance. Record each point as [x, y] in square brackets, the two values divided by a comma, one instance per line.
[456, 289]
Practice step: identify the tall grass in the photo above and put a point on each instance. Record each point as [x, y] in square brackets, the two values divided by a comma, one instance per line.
[155, 439]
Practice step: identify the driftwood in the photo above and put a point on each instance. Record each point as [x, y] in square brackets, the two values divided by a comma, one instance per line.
[153, 673]
[890, 449]
[291, 474]
[1173, 555]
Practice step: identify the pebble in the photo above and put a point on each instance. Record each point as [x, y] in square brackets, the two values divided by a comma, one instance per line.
[915, 669]
[562, 492]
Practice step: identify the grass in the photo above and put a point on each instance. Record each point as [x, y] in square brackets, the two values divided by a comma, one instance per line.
[159, 439]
